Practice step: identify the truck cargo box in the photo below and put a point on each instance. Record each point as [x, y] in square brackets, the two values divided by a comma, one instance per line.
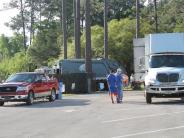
[164, 42]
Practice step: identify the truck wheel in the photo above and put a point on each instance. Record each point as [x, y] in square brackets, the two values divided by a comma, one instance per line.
[148, 98]
[52, 96]
[182, 99]
[1, 103]
[30, 99]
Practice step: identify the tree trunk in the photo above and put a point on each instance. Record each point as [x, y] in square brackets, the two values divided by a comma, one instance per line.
[137, 19]
[88, 64]
[32, 22]
[64, 28]
[23, 25]
[77, 28]
[156, 19]
[105, 29]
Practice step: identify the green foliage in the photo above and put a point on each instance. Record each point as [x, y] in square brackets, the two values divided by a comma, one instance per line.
[10, 45]
[20, 62]
[96, 42]
[4, 47]
[44, 46]
[121, 34]
[170, 15]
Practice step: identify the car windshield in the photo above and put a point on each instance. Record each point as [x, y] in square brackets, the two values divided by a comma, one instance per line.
[21, 78]
[167, 61]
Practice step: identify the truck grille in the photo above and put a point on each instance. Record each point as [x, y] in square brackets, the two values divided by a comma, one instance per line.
[163, 77]
[8, 89]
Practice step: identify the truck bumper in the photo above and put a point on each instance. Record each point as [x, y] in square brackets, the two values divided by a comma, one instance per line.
[165, 91]
[13, 98]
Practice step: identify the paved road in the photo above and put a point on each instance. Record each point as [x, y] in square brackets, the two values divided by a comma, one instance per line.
[93, 116]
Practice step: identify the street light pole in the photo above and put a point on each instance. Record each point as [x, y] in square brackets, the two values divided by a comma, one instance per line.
[88, 64]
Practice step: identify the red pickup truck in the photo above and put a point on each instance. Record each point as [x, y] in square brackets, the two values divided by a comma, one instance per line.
[26, 87]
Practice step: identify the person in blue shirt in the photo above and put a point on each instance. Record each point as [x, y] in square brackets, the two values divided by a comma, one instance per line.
[111, 80]
[119, 82]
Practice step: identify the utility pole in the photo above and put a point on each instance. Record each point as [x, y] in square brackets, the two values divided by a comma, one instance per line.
[137, 19]
[156, 17]
[76, 4]
[88, 64]
[64, 28]
[105, 29]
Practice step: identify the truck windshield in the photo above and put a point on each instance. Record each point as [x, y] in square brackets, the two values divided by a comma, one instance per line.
[167, 61]
[21, 78]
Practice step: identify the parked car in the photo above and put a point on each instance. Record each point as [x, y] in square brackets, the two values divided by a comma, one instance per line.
[27, 87]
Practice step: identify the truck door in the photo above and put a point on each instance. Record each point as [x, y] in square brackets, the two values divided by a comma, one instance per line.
[46, 86]
[38, 86]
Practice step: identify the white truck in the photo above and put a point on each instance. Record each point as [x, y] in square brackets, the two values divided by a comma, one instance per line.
[164, 65]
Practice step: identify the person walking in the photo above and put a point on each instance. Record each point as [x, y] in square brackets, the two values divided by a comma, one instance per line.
[119, 81]
[111, 80]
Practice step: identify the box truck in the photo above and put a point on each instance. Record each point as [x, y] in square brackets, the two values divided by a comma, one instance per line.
[164, 65]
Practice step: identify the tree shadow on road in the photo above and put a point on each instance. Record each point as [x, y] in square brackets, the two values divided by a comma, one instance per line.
[55, 104]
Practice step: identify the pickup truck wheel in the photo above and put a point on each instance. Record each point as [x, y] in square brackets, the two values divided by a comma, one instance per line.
[1, 103]
[30, 98]
[148, 98]
[52, 96]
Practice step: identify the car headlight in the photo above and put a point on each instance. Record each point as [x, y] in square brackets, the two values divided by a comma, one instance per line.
[22, 88]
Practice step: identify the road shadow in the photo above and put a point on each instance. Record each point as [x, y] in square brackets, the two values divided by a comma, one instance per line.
[55, 104]
[135, 102]
[169, 102]
[143, 102]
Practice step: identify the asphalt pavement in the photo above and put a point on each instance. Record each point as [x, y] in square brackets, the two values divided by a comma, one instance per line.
[94, 116]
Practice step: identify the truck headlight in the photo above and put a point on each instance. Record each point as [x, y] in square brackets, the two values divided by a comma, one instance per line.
[150, 81]
[21, 88]
[182, 80]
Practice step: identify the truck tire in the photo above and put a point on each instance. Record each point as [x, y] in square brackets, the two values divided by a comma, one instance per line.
[52, 97]
[1, 103]
[182, 99]
[30, 99]
[148, 98]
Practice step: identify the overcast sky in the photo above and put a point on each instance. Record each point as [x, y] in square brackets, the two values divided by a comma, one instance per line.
[5, 16]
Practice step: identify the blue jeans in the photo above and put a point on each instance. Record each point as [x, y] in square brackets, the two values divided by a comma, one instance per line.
[120, 93]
